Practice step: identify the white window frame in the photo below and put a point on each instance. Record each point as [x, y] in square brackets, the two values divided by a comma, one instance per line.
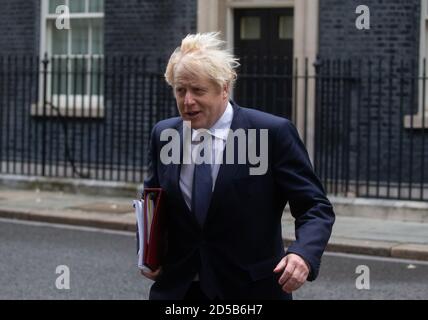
[78, 105]
[416, 121]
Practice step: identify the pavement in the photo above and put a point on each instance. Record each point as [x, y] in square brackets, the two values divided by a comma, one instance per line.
[351, 234]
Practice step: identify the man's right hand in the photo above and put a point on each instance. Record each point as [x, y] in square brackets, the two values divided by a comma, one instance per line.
[152, 275]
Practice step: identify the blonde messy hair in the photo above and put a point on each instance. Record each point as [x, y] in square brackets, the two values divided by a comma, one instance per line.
[203, 53]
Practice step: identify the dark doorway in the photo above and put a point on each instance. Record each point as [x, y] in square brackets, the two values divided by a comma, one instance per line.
[264, 44]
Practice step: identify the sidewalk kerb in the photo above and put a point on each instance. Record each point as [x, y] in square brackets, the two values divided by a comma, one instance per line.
[410, 251]
[111, 223]
[336, 244]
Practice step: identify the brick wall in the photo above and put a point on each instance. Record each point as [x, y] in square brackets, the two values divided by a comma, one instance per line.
[147, 27]
[393, 34]
[394, 29]
[19, 26]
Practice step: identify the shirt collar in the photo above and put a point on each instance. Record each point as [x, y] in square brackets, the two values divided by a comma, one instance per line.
[220, 129]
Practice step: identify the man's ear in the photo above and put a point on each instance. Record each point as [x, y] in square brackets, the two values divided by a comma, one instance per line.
[225, 90]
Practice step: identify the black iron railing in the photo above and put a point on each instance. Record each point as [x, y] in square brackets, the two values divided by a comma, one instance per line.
[364, 122]
[371, 128]
[79, 117]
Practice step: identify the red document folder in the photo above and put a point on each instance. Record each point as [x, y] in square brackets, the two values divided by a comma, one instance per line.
[155, 230]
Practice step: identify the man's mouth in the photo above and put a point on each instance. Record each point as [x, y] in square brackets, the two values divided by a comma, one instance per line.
[192, 114]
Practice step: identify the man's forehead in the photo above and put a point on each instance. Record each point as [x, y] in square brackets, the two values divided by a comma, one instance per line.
[189, 79]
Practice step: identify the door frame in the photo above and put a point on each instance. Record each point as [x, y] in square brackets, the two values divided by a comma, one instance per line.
[217, 15]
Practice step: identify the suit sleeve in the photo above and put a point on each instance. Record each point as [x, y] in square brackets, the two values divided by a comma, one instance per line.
[313, 212]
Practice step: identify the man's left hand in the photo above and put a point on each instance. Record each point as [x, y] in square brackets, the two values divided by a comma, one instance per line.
[295, 271]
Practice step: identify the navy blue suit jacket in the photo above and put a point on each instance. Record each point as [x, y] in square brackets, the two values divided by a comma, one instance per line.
[240, 244]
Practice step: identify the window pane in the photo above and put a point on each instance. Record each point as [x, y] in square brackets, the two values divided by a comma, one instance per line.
[250, 28]
[96, 5]
[97, 76]
[97, 36]
[59, 39]
[59, 80]
[55, 3]
[77, 5]
[78, 75]
[286, 27]
[79, 38]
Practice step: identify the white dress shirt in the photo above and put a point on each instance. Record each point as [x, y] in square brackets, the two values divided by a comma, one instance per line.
[218, 132]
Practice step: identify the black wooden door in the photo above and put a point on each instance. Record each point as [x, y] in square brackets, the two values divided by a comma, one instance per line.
[264, 44]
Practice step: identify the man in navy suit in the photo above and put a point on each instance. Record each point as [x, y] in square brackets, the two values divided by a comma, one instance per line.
[224, 217]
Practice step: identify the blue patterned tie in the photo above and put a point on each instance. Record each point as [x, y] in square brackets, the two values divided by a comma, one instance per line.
[201, 191]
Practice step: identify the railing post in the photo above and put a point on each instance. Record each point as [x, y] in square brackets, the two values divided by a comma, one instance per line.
[318, 116]
[45, 63]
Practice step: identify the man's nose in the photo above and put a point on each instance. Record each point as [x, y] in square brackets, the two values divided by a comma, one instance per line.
[188, 98]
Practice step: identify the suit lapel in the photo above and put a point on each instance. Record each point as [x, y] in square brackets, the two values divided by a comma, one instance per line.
[228, 171]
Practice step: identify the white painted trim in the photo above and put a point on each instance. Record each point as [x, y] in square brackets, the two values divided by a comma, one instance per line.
[76, 106]
[217, 15]
[43, 43]
[229, 29]
[417, 121]
[230, 37]
[43, 10]
[83, 15]
[306, 16]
